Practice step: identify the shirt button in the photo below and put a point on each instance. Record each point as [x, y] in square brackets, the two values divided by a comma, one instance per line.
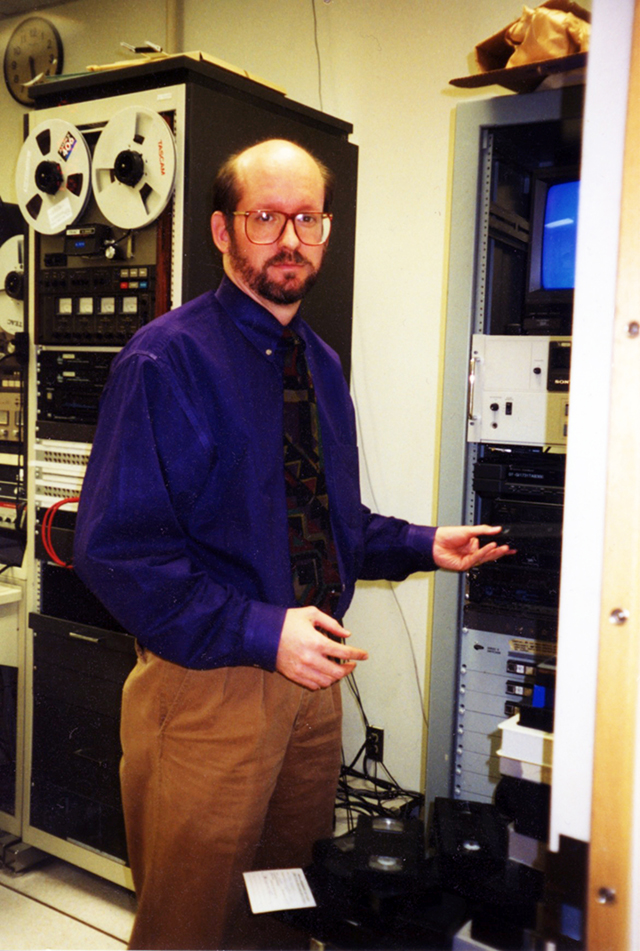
[269, 352]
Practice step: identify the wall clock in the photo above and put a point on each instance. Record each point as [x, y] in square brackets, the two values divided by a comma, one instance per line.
[34, 48]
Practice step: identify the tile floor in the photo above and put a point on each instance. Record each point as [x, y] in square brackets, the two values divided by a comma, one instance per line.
[63, 908]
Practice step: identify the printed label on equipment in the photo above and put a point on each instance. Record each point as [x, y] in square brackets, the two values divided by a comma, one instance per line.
[59, 214]
[67, 146]
[533, 647]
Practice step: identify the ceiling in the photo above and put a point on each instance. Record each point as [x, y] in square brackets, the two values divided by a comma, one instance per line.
[10, 8]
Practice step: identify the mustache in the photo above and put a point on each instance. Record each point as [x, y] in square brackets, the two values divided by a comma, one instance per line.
[287, 257]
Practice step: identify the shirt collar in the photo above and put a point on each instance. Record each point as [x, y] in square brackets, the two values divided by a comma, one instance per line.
[252, 319]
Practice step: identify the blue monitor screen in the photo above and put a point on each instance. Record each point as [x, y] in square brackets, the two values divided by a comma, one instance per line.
[560, 232]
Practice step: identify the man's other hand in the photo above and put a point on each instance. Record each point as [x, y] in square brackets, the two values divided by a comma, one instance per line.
[305, 653]
[457, 548]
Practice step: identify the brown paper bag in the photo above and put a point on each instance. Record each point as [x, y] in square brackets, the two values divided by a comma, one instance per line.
[546, 33]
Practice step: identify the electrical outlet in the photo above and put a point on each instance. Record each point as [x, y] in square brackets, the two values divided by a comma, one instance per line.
[374, 744]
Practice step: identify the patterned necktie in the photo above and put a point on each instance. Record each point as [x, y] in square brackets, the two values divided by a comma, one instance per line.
[314, 563]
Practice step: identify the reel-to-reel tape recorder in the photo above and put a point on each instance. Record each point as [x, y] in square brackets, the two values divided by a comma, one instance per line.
[90, 197]
[132, 173]
[94, 284]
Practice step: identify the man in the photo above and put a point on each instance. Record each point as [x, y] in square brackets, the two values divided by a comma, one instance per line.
[231, 720]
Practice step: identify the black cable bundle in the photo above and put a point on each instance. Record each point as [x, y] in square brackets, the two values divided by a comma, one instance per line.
[363, 792]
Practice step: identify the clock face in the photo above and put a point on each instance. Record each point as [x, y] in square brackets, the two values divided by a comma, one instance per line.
[34, 48]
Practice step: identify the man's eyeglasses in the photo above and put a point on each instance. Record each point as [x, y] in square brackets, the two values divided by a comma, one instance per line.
[266, 227]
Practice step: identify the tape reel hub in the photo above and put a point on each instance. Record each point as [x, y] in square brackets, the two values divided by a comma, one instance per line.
[129, 167]
[49, 177]
[14, 285]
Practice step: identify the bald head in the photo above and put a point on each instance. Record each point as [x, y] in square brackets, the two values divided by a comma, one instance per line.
[272, 160]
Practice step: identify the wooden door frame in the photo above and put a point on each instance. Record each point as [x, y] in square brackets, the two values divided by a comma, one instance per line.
[611, 880]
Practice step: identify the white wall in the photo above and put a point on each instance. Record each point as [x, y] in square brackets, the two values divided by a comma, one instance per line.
[385, 67]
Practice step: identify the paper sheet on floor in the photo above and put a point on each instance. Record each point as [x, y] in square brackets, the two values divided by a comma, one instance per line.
[278, 889]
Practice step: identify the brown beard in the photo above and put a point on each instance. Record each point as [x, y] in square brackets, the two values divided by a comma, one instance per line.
[262, 285]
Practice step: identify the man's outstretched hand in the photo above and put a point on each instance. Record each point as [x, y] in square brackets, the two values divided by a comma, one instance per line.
[457, 547]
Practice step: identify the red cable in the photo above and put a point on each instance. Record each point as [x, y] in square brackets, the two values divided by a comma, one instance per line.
[47, 524]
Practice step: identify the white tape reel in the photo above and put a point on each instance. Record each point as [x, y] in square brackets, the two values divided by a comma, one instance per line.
[53, 176]
[12, 289]
[134, 167]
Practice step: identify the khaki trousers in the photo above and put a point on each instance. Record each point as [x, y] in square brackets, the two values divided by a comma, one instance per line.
[222, 771]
